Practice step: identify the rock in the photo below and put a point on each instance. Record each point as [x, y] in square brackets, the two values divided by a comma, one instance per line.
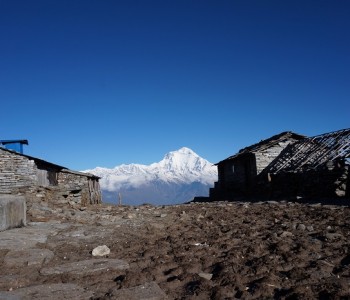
[272, 202]
[207, 276]
[131, 216]
[333, 236]
[146, 291]
[199, 217]
[12, 211]
[301, 227]
[310, 228]
[340, 193]
[101, 251]
[157, 214]
[87, 267]
[48, 292]
[286, 234]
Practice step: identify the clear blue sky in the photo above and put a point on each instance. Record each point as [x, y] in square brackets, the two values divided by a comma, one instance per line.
[100, 83]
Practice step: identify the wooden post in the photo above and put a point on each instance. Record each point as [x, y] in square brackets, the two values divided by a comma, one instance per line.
[120, 198]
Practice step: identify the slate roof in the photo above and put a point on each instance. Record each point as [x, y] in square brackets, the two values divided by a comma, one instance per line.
[267, 143]
[39, 161]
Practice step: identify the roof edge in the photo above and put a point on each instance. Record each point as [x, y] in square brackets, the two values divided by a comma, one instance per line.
[61, 168]
[273, 139]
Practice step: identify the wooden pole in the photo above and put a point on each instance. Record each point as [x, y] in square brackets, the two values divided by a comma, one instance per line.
[120, 198]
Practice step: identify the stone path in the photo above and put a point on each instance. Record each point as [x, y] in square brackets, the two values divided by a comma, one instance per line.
[29, 257]
[87, 267]
[34, 252]
[56, 291]
[267, 250]
[30, 236]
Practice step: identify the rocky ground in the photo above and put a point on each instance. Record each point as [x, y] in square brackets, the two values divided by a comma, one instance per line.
[264, 250]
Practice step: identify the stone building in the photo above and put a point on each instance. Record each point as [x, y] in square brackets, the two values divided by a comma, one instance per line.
[35, 178]
[237, 174]
[287, 165]
[315, 167]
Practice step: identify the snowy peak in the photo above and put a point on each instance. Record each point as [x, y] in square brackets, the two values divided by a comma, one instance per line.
[167, 179]
[180, 156]
[183, 150]
[183, 160]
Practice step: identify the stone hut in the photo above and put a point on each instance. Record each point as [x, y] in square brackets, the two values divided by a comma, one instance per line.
[313, 168]
[238, 174]
[35, 178]
[288, 166]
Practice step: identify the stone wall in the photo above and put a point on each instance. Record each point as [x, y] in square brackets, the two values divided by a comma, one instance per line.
[329, 181]
[80, 189]
[236, 178]
[16, 171]
[20, 175]
[266, 156]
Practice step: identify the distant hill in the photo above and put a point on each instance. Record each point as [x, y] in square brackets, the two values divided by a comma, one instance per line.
[178, 178]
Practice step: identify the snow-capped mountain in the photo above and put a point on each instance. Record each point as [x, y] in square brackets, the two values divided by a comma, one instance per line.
[178, 178]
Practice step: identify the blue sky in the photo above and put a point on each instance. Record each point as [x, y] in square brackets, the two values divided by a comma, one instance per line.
[100, 83]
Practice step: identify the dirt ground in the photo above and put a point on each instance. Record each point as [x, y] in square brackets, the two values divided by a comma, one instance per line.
[220, 250]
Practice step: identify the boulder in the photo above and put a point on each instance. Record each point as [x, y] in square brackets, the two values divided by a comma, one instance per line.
[12, 211]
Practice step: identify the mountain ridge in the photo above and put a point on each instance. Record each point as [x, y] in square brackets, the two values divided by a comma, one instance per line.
[178, 177]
